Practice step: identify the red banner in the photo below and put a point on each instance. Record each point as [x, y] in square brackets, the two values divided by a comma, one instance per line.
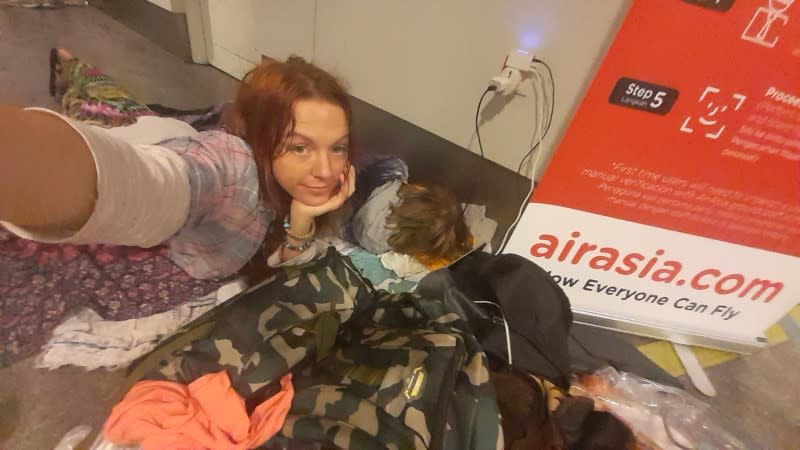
[692, 124]
[724, 160]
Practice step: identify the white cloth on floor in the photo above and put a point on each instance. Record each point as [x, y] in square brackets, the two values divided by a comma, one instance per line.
[481, 227]
[369, 222]
[87, 340]
[102, 444]
[404, 266]
[75, 437]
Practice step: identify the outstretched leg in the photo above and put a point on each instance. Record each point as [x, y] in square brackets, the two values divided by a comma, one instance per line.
[87, 94]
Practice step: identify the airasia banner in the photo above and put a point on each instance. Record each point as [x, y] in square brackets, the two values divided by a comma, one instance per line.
[672, 206]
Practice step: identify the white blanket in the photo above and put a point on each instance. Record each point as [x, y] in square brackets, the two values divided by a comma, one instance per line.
[87, 340]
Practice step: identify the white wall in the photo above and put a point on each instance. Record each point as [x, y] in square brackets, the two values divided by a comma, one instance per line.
[231, 41]
[237, 32]
[176, 6]
[428, 61]
[285, 28]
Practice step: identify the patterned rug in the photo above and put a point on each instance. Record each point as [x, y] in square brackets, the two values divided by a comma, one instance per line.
[41, 284]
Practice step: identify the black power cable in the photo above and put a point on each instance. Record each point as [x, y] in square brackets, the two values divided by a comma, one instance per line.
[477, 112]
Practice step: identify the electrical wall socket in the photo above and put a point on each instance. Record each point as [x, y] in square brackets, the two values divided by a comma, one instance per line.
[519, 59]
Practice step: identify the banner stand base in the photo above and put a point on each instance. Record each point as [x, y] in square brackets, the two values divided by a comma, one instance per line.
[737, 344]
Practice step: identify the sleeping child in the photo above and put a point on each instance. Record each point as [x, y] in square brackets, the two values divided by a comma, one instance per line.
[421, 220]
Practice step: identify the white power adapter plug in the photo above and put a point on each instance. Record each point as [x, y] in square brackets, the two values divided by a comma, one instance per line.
[517, 61]
[507, 82]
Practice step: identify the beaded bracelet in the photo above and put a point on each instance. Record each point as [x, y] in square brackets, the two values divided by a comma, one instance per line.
[287, 229]
[299, 248]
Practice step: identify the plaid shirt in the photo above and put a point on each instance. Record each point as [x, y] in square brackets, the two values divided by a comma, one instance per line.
[227, 221]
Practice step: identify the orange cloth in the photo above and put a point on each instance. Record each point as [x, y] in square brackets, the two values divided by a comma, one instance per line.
[431, 263]
[435, 264]
[206, 414]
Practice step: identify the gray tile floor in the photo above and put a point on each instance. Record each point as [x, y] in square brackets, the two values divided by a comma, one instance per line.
[758, 394]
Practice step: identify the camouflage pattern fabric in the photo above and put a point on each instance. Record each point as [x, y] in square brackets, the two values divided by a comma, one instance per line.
[370, 369]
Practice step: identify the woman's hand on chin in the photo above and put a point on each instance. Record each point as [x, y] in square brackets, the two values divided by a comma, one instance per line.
[302, 215]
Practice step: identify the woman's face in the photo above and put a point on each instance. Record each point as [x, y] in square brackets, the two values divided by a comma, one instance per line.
[314, 155]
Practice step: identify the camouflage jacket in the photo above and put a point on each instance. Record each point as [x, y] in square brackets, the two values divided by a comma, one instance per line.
[370, 369]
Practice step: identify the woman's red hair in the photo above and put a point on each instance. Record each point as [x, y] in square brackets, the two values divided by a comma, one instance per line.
[264, 111]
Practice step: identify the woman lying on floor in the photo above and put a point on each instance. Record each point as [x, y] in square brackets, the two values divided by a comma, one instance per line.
[209, 197]
[266, 188]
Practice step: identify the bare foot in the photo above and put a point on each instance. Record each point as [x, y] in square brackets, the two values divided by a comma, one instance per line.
[64, 54]
[57, 84]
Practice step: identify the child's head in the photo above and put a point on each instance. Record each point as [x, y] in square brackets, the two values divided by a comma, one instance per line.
[428, 223]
